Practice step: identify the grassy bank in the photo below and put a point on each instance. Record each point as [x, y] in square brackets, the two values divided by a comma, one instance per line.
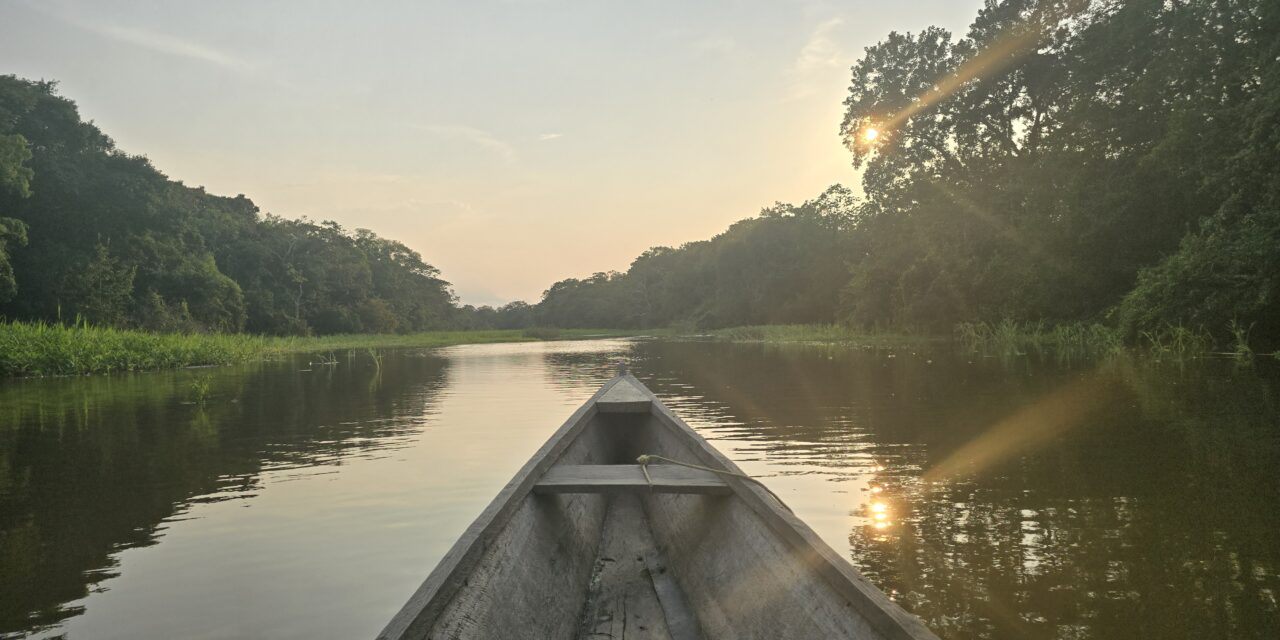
[1171, 341]
[824, 333]
[1009, 338]
[39, 349]
[1016, 338]
[1005, 338]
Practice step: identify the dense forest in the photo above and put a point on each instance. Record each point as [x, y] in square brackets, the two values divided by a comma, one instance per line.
[1114, 162]
[1065, 160]
[90, 233]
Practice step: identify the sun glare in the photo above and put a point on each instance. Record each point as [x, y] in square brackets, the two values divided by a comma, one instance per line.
[870, 134]
[879, 512]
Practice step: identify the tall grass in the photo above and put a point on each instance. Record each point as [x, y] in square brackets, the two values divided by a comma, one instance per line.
[38, 348]
[830, 333]
[1010, 338]
[1016, 338]
[1240, 347]
[44, 349]
[1176, 341]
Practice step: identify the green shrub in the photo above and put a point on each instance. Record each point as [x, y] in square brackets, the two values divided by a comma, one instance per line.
[1223, 277]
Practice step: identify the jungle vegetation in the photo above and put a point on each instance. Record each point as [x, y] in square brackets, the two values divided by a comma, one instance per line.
[1064, 162]
[93, 234]
[1107, 163]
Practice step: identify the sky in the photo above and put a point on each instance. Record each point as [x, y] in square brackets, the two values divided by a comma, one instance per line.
[513, 143]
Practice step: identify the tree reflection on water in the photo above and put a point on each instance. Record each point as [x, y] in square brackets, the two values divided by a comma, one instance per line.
[995, 498]
[92, 466]
[1023, 498]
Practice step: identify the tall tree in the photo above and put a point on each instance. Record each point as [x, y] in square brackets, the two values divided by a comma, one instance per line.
[15, 177]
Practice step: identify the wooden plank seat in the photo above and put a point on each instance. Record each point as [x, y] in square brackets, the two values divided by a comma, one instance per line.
[629, 478]
[624, 398]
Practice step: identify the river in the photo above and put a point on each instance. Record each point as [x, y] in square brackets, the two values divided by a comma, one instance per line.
[1024, 497]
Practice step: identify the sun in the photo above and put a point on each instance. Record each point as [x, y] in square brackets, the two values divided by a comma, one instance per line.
[870, 134]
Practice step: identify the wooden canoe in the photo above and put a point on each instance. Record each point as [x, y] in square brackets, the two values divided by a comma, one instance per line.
[580, 544]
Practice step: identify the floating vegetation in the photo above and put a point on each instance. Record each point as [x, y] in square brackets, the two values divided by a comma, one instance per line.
[200, 390]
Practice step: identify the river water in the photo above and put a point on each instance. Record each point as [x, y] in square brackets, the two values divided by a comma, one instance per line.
[1025, 497]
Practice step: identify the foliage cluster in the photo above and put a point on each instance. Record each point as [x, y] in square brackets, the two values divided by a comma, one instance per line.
[1066, 163]
[94, 233]
[783, 267]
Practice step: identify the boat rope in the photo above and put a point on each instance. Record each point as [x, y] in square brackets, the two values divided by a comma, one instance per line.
[645, 459]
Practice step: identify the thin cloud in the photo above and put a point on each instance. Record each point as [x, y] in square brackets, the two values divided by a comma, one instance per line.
[821, 51]
[821, 54]
[478, 137]
[159, 42]
[550, 136]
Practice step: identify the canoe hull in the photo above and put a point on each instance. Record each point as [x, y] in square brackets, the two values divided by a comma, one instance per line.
[736, 566]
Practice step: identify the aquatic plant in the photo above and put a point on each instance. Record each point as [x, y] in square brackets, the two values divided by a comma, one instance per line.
[1011, 338]
[1177, 341]
[830, 333]
[200, 390]
[1240, 348]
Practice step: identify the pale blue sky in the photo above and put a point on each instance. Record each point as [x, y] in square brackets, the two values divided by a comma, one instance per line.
[512, 143]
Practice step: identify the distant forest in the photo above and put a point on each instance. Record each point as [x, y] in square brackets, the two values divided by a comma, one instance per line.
[1066, 160]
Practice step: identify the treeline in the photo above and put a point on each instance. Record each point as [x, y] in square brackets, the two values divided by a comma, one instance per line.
[1099, 161]
[1107, 161]
[90, 233]
[783, 267]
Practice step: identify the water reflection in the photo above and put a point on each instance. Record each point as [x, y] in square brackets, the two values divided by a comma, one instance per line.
[90, 467]
[1015, 499]
[996, 498]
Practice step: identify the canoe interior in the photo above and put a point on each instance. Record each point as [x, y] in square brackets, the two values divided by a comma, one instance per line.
[637, 564]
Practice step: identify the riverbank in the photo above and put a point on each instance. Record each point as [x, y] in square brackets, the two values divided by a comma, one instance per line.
[1009, 338]
[41, 349]
[823, 333]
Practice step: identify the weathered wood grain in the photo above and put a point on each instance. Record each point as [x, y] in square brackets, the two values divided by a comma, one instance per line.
[682, 624]
[627, 396]
[622, 603]
[629, 478]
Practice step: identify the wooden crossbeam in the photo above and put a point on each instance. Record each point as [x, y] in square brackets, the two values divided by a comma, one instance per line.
[628, 478]
[624, 397]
